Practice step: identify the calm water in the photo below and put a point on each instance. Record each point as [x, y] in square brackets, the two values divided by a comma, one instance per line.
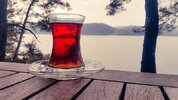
[121, 52]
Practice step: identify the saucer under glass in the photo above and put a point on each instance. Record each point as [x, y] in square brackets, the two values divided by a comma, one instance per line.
[41, 69]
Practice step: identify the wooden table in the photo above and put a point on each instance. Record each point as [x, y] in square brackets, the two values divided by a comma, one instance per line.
[17, 83]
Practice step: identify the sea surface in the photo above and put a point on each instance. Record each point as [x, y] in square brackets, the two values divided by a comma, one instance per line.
[120, 52]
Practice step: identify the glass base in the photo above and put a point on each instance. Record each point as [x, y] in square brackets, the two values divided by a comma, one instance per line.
[41, 69]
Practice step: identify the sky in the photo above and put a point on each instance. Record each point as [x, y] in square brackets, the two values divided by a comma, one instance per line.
[95, 12]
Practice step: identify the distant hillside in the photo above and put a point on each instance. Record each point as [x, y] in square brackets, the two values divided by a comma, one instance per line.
[104, 29]
[127, 30]
[97, 29]
[172, 33]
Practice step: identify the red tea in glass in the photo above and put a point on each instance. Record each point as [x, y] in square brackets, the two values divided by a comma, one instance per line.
[66, 30]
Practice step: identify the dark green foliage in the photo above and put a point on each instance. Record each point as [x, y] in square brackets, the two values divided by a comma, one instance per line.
[166, 21]
[12, 39]
[168, 15]
[32, 53]
[116, 6]
[27, 16]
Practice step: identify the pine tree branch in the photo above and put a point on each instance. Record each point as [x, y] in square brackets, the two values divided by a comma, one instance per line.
[17, 25]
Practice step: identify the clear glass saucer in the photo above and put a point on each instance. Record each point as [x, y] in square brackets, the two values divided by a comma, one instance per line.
[41, 69]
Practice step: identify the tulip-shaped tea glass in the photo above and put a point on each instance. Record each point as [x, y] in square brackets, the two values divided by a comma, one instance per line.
[66, 61]
[66, 30]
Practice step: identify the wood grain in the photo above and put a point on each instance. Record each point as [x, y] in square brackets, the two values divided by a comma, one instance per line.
[142, 92]
[24, 89]
[172, 93]
[7, 81]
[124, 76]
[6, 73]
[63, 90]
[101, 90]
[137, 77]
[14, 66]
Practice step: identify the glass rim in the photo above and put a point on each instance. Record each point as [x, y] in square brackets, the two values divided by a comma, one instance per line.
[64, 14]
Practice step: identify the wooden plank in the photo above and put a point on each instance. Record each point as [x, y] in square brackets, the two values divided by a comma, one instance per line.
[24, 89]
[102, 90]
[7, 81]
[137, 77]
[13, 66]
[172, 93]
[63, 90]
[6, 73]
[142, 92]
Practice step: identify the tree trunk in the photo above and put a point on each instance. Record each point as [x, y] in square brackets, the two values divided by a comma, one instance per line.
[3, 28]
[148, 63]
[22, 31]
